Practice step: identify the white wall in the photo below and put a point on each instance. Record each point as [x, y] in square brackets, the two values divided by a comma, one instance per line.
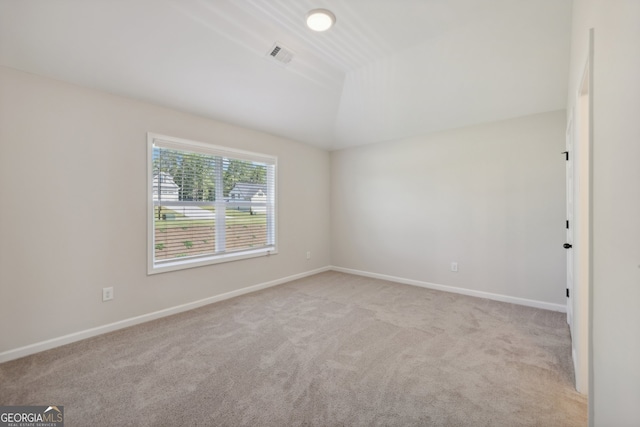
[490, 197]
[614, 391]
[73, 209]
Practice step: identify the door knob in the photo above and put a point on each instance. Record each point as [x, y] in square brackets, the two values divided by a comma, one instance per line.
[567, 246]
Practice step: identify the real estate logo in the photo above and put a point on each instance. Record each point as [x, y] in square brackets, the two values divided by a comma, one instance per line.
[31, 416]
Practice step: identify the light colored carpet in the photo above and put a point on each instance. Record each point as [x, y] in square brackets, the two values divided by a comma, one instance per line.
[328, 350]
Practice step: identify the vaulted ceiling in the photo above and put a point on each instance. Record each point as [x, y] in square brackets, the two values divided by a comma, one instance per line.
[388, 69]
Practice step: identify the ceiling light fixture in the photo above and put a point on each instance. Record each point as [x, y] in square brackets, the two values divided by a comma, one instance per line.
[320, 19]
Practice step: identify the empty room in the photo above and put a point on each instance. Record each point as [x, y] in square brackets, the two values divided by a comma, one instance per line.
[320, 213]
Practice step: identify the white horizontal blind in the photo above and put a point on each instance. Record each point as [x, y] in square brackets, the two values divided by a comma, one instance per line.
[209, 202]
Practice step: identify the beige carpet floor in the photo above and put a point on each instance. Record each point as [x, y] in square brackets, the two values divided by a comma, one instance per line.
[328, 350]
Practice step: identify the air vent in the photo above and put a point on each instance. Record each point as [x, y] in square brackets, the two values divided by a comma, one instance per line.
[280, 53]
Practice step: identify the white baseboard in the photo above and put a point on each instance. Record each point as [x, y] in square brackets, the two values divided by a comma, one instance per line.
[480, 294]
[88, 333]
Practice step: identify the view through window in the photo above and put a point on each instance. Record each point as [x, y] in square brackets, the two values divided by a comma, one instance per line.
[209, 204]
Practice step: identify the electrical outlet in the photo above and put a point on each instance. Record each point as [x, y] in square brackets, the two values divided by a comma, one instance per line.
[308, 254]
[107, 294]
[454, 267]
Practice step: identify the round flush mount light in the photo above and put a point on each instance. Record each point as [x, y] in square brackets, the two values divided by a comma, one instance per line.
[320, 19]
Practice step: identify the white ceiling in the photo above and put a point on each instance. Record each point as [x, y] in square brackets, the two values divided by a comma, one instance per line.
[388, 69]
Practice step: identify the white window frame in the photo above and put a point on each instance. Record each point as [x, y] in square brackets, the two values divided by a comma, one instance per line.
[154, 267]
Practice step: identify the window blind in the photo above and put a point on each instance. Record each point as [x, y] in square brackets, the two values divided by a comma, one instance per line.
[209, 203]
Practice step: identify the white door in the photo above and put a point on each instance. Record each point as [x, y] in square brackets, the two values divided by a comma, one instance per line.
[569, 159]
[579, 233]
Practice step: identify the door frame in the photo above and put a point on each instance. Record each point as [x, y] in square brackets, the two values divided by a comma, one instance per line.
[570, 224]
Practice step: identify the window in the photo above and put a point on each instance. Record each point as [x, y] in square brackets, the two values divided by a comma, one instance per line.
[207, 204]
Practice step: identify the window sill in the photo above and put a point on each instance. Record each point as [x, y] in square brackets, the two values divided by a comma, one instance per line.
[183, 264]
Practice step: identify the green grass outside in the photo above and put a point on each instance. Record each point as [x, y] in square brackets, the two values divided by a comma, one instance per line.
[234, 217]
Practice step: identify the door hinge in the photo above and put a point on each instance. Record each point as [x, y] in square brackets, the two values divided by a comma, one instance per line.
[567, 224]
[567, 292]
[566, 155]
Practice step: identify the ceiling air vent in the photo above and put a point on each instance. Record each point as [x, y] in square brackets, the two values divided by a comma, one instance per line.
[281, 53]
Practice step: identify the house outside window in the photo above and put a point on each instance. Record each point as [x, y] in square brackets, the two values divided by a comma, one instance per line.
[208, 204]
